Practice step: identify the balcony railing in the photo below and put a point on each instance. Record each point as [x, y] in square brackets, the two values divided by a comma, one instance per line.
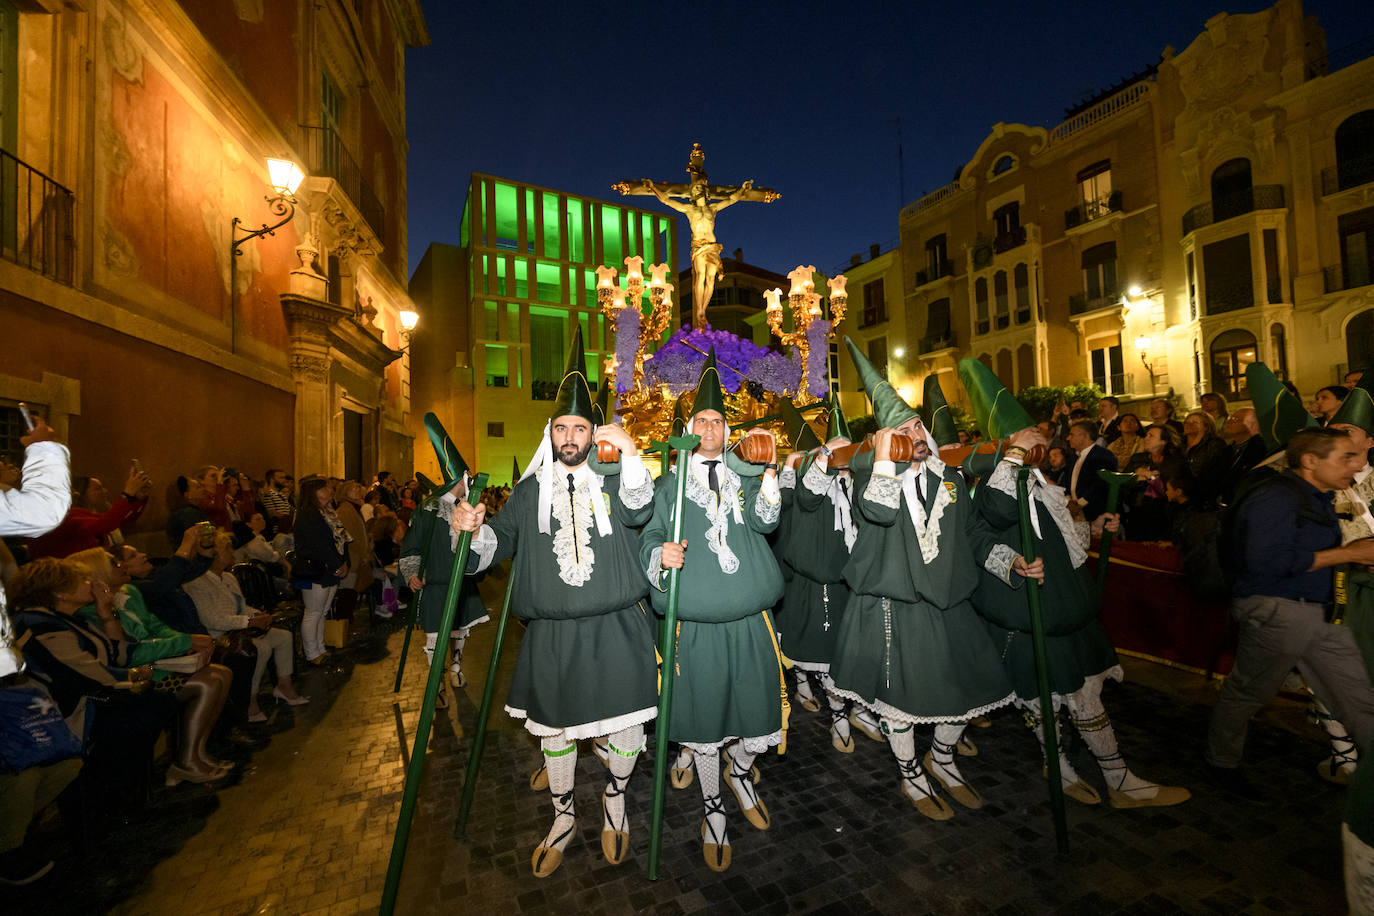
[326, 156]
[1220, 299]
[1259, 197]
[944, 269]
[1090, 210]
[932, 342]
[1118, 383]
[1080, 303]
[1340, 278]
[1006, 241]
[36, 220]
[1348, 174]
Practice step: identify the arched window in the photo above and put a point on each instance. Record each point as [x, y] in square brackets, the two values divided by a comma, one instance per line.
[1359, 341]
[1021, 280]
[1232, 192]
[999, 293]
[1278, 347]
[1355, 150]
[980, 297]
[1231, 352]
[1003, 165]
[1004, 369]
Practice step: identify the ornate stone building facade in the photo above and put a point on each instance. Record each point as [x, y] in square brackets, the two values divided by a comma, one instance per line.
[133, 134]
[1209, 212]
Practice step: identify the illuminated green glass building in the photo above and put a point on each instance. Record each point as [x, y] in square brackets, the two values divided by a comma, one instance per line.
[498, 310]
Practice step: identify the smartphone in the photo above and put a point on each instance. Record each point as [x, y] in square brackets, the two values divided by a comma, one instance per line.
[138, 465]
[24, 412]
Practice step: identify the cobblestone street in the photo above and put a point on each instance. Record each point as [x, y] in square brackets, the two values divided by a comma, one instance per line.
[306, 827]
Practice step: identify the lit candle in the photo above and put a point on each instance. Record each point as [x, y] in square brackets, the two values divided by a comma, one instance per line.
[656, 274]
[837, 289]
[772, 296]
[618, 300]
[634, 268]
[606, 277]
[801, 281]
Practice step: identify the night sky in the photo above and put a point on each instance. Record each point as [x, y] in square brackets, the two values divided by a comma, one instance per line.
[559, 95]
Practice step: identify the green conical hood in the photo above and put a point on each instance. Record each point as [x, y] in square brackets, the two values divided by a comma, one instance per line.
[799, 432]
[839, 426]
[514, 470]
[941, 421]
[1358, 407]
[1280, 414]
[574, 397]
[423, 486]
[602, 407]
[996, 409]
[451, 463]
[888, 407]
[709, 396]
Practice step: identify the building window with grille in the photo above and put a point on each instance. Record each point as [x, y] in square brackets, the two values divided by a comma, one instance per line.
[547, 355]
[937, 327]
[1356, 231]
[877, 355]
[1021, 280]
[1230, 279]
[1231, 352]
[1099, 275]
[999, 295]
[1278, 346]
[1095, 188]
[937, 259]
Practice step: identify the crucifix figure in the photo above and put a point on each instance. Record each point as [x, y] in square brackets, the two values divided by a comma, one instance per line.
[702, 201]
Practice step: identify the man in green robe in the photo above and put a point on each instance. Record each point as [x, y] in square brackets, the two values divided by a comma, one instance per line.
[1080, 655]
[910, 646]
[821, 533]
[586, 666]
[728, 687]
[426, 560]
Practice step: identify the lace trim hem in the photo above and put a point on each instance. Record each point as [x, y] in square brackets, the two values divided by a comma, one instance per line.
[637, 497]
[787, 478]
[756, 745]
[888, 711]
[597, 729]
[767, 510]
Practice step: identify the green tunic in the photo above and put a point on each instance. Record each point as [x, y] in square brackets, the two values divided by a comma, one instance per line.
[1076, 645]
[587, 665]
[910, 645]
[816, 594]
[728, 678]
[427, 552]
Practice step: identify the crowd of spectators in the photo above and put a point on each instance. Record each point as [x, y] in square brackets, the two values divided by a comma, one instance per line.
[104, 649]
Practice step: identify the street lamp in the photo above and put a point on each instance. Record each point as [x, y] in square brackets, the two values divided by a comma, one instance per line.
[1142, 343]
[285, 177]
[409, 319]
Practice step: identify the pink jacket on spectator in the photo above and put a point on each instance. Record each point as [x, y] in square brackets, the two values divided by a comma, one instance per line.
[83, 529]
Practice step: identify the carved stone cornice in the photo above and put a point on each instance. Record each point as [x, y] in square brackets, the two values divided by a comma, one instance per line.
[319, 329]
[328, 204]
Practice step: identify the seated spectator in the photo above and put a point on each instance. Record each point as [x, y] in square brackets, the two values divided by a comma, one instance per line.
[74, 659]
[239, 498]
[257, 548]
[161, 588]
[1327, 401]
[200, 687]
[1162, 414]
[192, 502]
[1207, 457]
[321, 561]
[93, 521]
[1214, 406]
[215, 502]
[26, 792]
[1128, 442]
[1242, 433]
[220, 605]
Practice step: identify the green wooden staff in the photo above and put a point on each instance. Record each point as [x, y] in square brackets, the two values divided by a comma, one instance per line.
[412, 612]
[479, 738]
[1113, 480]
[1042, 667]
[667, 650]
[436, 675]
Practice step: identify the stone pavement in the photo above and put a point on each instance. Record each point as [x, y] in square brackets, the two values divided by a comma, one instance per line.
[305, 826]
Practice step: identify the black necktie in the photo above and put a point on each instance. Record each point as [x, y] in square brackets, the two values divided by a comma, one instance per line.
[572, 507]
[844, 488]
[711, 476]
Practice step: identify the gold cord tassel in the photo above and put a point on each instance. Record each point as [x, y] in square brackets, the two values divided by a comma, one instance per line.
[782, 683]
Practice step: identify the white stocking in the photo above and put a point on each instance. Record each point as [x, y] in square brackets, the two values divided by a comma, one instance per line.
[1090, 718]
[431, 640]
[902, 740]
[560, 758]
[708, 773]
[460, 638]
[1344, 754]
[624, 748]
[1030, 710]
[947, 735]
[839, 720]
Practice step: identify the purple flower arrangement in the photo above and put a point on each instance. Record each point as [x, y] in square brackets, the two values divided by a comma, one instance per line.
[678, 362]
[626, 342]
[817, 358]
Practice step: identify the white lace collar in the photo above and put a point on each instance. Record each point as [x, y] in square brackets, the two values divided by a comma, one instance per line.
[718, 510]
[927, 527]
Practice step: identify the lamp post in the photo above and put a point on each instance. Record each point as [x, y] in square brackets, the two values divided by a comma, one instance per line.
[285, 177]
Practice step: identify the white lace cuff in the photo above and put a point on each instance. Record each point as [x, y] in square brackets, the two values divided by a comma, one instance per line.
[484, 545]
[636, 486]
[787, 478]
[884, 490]
[768, 503]
[999, 562]
[655, 570]
[885, 468]
[409, 567]
[816, 480]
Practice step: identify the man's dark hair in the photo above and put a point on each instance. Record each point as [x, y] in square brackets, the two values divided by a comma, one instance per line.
[1337, 391]
[1088, 426]
[269, 474]
[1078, 413]
[382, 476]
[1115, 402]
[1317, 442]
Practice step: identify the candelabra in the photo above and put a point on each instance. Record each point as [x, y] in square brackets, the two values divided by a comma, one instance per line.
[615, 303]
[805, 304]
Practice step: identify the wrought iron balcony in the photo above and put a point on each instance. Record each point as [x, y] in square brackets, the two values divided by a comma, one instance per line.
[36, 220]
[1259, 197]
[944, 269]
[1090, 210]
[1348, 174]
[1352, 276]
[326, 156]
[1006, 241]
[1228, 298]
[1079, 303]
[932, 342]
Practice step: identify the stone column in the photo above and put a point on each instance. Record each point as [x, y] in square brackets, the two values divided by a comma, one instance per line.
[310, 323]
